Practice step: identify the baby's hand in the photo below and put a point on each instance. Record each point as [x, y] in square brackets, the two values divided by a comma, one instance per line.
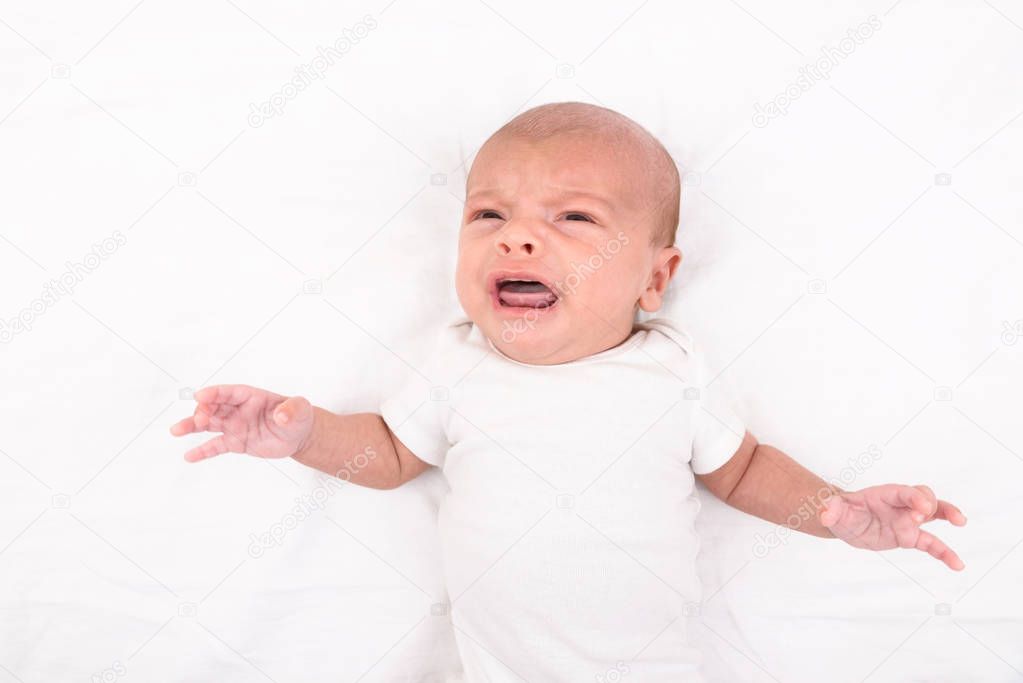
[889, 516]
[251, 420]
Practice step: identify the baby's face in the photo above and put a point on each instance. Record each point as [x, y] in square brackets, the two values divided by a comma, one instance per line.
[555, 248]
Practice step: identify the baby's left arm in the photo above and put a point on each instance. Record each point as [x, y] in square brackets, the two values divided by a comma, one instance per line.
[763, 481]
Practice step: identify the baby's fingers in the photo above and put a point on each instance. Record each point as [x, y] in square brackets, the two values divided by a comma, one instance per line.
[934, 546]
[214, 446]
[200, 421]
[950, 513]
[186, 426]
[833, 509]
[230, 394]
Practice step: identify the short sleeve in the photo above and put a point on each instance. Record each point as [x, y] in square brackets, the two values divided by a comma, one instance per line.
[414, 415]
[417, 412]
[717, 430]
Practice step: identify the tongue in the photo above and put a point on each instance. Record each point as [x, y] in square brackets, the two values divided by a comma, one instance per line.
[530, 294]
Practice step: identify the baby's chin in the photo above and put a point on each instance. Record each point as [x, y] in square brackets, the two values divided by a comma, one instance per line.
[547, 344]
[534, 337]
[560, 333]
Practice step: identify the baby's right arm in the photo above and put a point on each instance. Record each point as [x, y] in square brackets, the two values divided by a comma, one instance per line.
[358, 447]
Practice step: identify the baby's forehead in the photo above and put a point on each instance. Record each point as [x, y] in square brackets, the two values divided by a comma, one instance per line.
[566, 156]
[604, 145]
[572, 160]
[579, 139]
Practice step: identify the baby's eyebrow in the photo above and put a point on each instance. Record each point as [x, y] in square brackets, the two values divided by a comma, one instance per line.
[582, 194]
[492, 194]
[483, 195]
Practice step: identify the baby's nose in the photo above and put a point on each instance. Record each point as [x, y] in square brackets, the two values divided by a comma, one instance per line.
[506, 248]
[517, 242]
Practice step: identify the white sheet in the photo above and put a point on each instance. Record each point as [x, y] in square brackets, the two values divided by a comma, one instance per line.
[839, 283]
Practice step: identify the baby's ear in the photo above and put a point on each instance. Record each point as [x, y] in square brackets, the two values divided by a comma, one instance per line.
[665, 264]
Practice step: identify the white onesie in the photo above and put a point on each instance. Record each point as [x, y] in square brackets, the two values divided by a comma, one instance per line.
[568, 533]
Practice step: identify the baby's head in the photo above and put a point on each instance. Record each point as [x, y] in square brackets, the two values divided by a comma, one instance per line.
[568, 229]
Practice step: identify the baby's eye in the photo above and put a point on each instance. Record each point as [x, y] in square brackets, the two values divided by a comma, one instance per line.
[486, 213]
[575, 216]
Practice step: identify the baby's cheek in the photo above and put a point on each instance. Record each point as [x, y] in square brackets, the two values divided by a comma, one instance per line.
[462, 292]
[618, 278]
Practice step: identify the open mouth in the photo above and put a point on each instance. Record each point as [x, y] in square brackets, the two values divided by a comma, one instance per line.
[516, 293]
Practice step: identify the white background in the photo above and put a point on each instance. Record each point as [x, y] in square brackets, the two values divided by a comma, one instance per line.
[851, 299]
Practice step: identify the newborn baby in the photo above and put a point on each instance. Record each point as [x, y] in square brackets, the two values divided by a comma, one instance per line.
[571, 435]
